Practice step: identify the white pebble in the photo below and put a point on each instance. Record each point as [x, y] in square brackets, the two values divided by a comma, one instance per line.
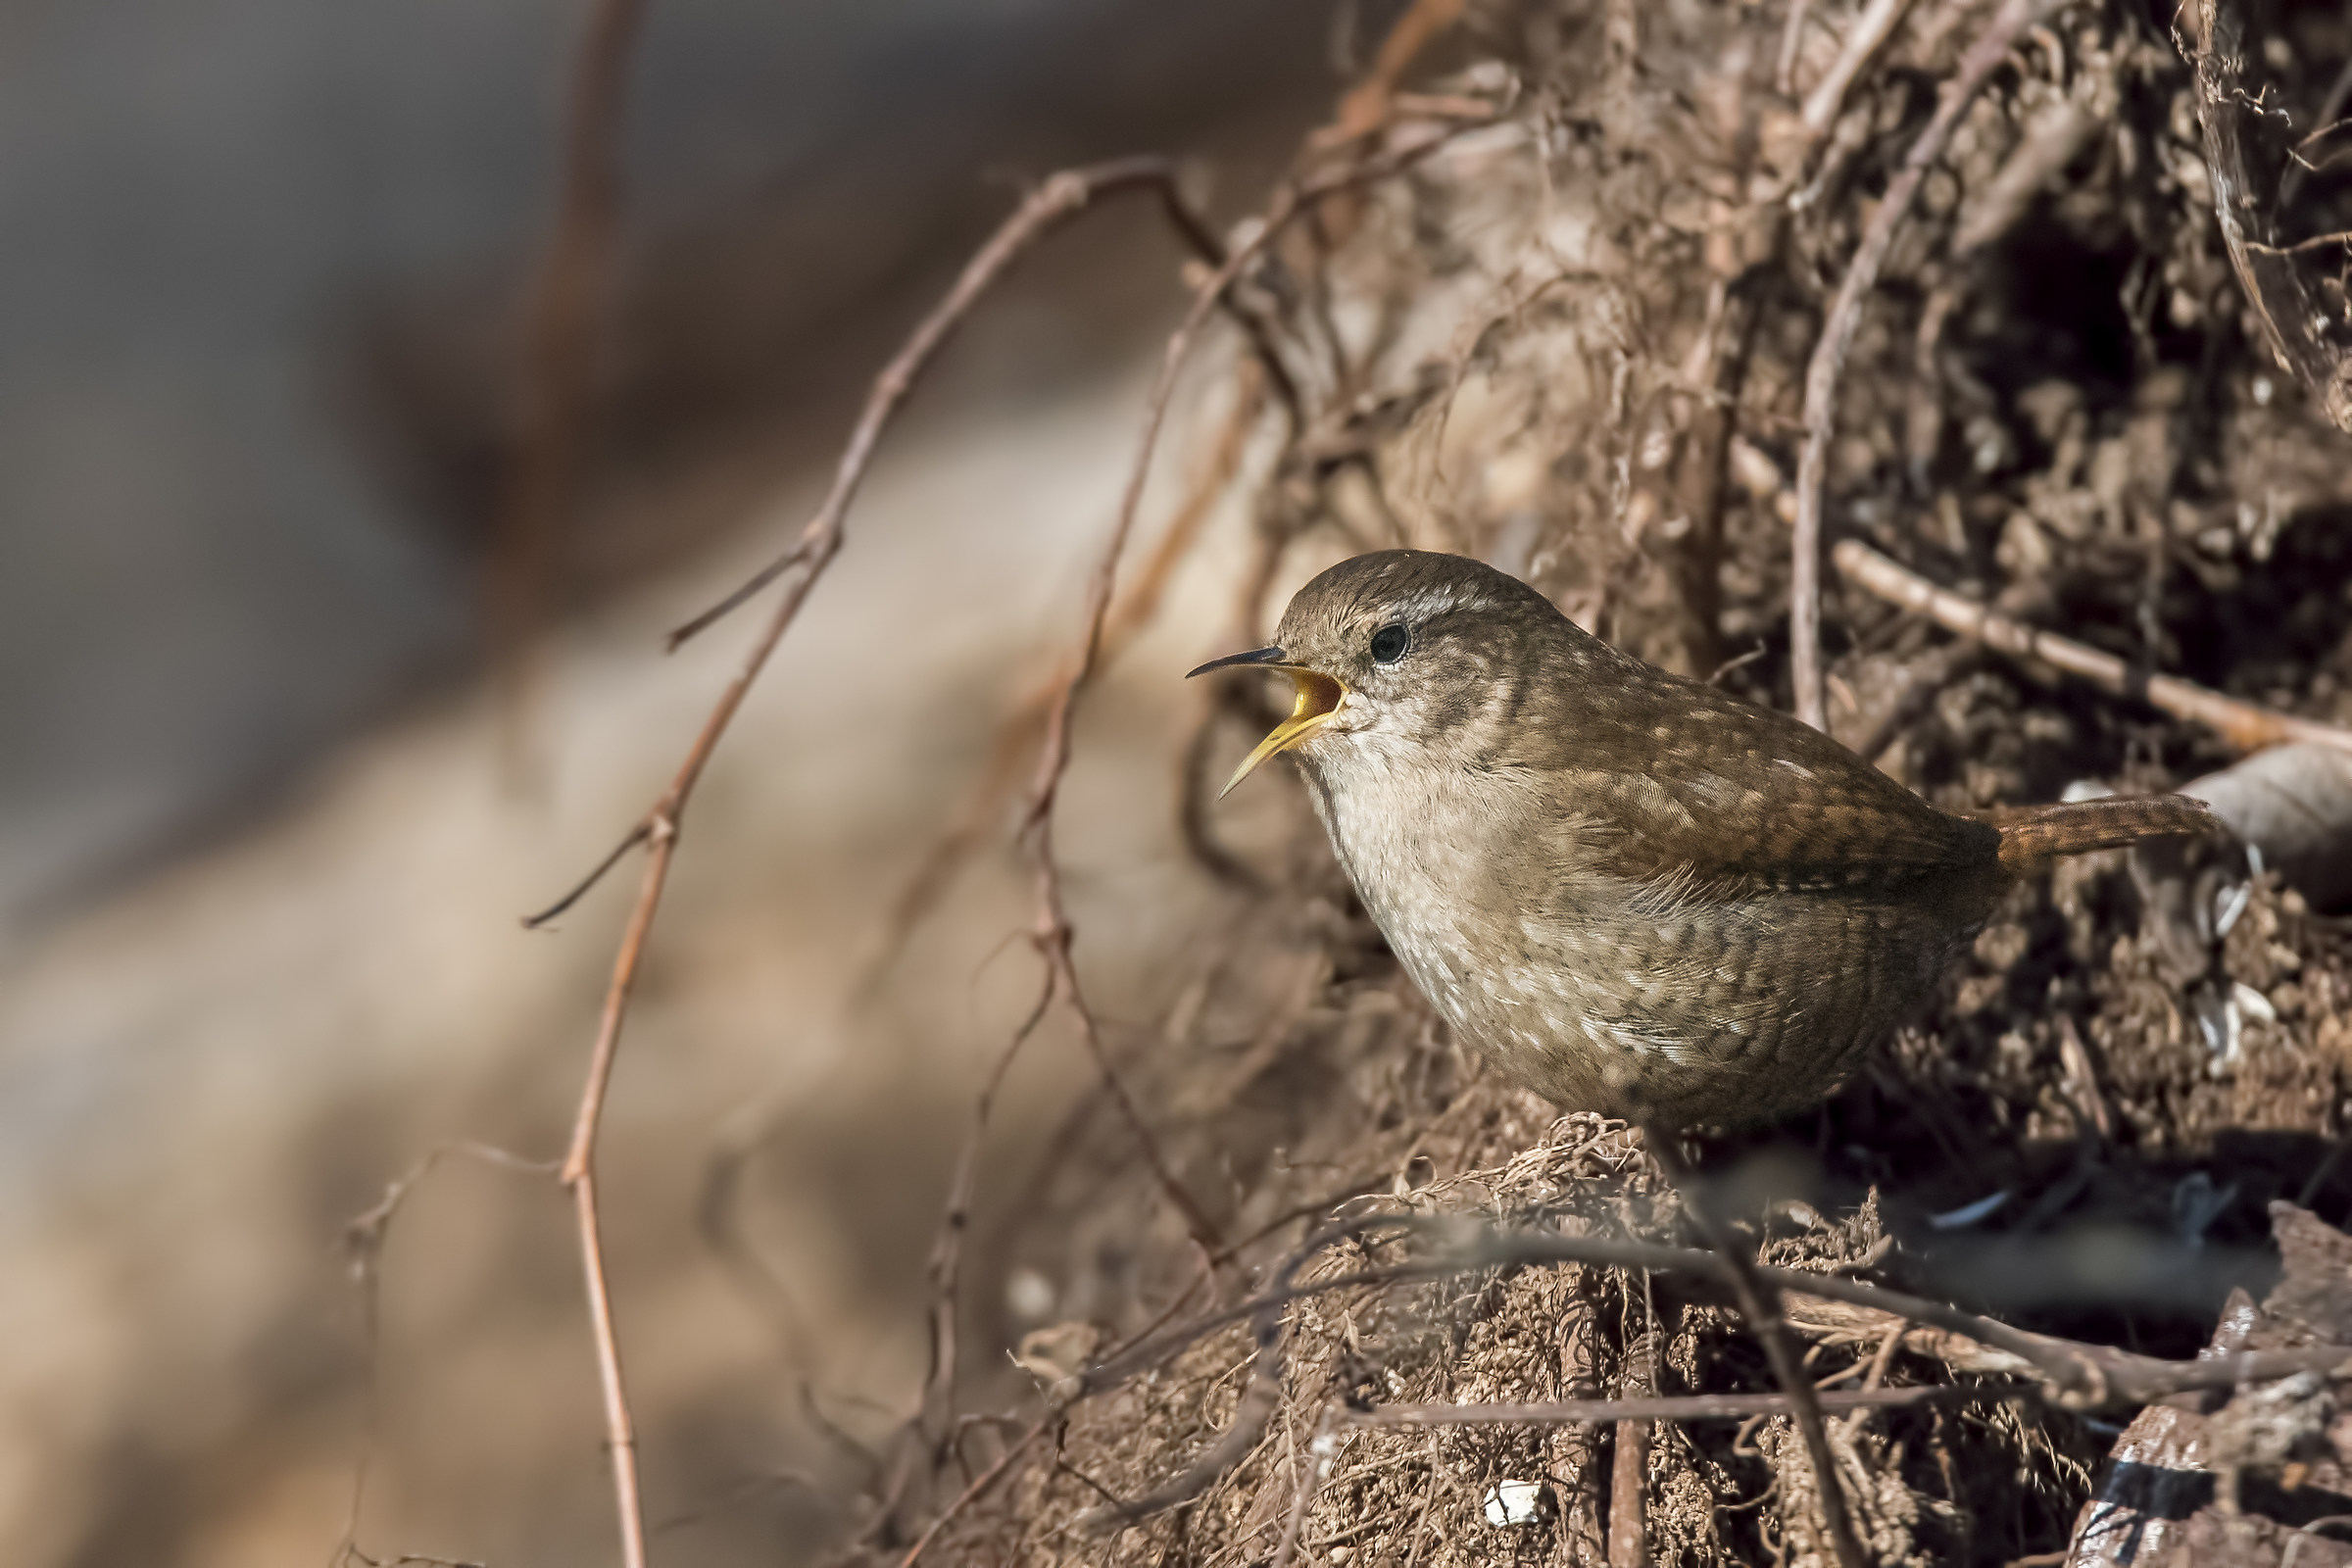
[1513, 1502]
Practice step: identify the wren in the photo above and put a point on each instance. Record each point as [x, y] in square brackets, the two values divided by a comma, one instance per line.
[1632, 892]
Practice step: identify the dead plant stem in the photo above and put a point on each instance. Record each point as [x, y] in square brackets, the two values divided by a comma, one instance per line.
[954, 1222]
[1052, 931]
[1863, 40]
[1314, 1468]
[972, 1492]
[1681, 1407]
[1844, 318]
[2243, 725]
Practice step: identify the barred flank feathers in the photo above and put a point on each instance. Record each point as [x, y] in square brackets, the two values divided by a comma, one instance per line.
[2033, 838]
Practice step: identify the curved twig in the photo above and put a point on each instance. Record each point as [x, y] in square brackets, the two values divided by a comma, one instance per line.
[2281, 300]
[1053, 932]
[1828, 365]
[1018, 733]
[971, 1494]
[1061, 197]
[819, 542]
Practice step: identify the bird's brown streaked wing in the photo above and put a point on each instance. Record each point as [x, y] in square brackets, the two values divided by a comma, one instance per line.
[1747, 799]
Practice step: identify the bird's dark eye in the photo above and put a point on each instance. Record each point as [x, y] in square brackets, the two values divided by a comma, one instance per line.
[1387, 645]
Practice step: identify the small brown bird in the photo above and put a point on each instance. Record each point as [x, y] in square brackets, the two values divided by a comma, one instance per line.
[1634, 893]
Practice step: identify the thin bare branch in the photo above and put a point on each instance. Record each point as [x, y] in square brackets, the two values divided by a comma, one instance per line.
[955, 1221]
[1682, 1408]
[1053, 932]
[1251, 1415]
[2341, 240]
[973, 1494]
[1314, 1468]
[1018, 735]
[1867, 35]
[1822, 375]
[1627, 1542]
[2244, 725]
[811, 554]
[597, 873]
[363, 1237]
[621, 1431]
[1367, 104]
[1060, 198]
[2329, 119]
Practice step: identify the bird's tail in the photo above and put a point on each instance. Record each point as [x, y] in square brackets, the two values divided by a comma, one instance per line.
[2033, 838]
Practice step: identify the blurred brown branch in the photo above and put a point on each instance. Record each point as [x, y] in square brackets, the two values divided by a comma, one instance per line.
[565, 294]
[1367, 104]
[1058, 199]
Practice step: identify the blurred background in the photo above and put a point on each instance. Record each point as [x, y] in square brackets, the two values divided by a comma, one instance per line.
[267, 825]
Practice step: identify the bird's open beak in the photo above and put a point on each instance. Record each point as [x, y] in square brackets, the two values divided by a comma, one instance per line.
[1318, 700]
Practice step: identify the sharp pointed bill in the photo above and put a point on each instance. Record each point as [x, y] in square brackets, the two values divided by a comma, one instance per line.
[1318, 697]
[1256, 656]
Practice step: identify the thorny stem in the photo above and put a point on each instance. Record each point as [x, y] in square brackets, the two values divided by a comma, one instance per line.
[1844, 318]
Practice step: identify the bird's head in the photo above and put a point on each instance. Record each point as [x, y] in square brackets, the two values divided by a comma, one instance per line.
[1396, 647]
